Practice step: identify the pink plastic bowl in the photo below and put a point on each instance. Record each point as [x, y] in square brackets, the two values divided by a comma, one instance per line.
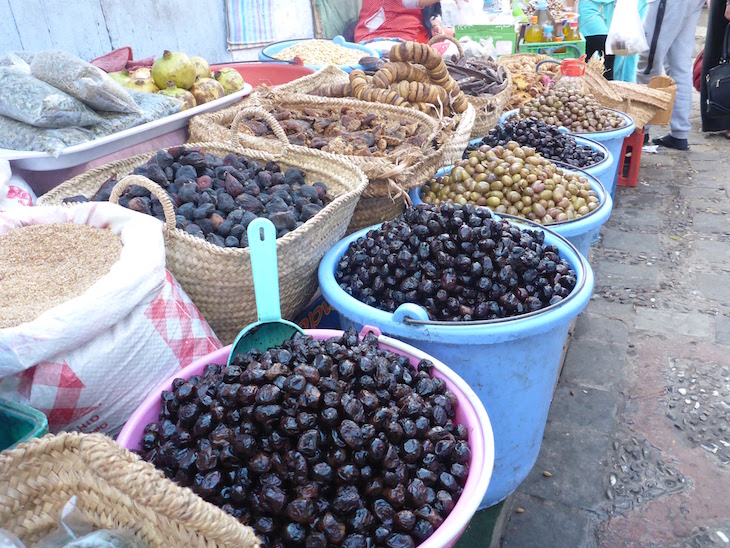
[470, 413]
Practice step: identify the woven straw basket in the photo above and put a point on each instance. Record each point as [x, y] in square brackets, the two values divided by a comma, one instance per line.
[114, 489]
[373, 211]
[219, 279]
[388, 175]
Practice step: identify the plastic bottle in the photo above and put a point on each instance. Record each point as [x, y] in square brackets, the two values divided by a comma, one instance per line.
[571, 32]
[534, 31]
[572, 71]
[547, 33]
[544, 17]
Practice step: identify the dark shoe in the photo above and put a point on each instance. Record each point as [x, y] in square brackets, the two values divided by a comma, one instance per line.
[672, 142]
[646, 138]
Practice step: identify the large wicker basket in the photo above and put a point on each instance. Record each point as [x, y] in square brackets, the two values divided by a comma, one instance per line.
[387, 175]
[218, 279]
[114, 489]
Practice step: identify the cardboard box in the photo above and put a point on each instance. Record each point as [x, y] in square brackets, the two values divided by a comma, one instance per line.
[504, 36]
[665, 83]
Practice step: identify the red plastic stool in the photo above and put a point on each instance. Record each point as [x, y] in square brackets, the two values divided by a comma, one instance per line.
[628, 165]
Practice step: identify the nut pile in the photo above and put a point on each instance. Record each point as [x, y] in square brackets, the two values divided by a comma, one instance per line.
[317, 443]
[514, 180]
[573, 109]
[458, 263]
[43, 266]
[547, 140]
[320, 53]
[345, 131]
[216, 198]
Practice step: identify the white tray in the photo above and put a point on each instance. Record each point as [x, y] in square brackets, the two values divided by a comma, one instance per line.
[85, 152]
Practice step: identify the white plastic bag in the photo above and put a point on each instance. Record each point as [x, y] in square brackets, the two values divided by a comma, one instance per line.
[91, 361]
[626, 34]
[14, 191]
[471, 12]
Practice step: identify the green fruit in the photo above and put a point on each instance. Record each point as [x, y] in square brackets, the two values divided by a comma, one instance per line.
[206, 90]
[183, 95]
[120, 77]
[230, 79]
[146, 86]
[202, 68]
[173, 67]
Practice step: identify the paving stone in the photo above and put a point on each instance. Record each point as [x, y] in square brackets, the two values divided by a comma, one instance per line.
[545, 524]
[577, 405]
[595, 364]
[701, 156]
[661, 159]
[610, 309]
[716, 253]
[575, 458]
[714, 286]
[599, 328]
[691, 324]
[628, 197]
[629, 218]
[722, 329]
[611, 274]
[711, 222]
[631, 241]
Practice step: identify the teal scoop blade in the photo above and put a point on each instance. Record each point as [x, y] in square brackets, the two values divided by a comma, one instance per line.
[270, 330]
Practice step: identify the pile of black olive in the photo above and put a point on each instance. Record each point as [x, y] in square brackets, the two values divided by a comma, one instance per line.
[216, 198]
[317, 443]
[457, 262]
[547, 140]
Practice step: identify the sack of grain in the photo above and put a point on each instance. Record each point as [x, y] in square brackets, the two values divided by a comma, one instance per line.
[90, 320]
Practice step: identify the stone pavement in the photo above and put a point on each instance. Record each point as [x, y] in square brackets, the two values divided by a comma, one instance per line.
[637, 447]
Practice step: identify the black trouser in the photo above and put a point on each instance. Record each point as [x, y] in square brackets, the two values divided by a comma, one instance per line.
[597, 43]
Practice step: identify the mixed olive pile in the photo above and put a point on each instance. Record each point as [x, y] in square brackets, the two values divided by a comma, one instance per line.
[458, 263]
[317, 443]
[573, 109]
[514, 180]
[216, 198]
[547, 140]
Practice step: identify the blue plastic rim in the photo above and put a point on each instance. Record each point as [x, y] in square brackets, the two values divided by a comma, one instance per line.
[512, 365]
[268, 52]
[613, 140]
[581, 232]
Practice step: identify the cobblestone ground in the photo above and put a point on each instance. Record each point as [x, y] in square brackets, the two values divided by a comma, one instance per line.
[637, 445]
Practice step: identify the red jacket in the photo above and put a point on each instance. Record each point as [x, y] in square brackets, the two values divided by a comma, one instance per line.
[400, 22]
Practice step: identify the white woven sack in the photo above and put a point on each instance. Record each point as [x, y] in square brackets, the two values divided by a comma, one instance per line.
[91, 361]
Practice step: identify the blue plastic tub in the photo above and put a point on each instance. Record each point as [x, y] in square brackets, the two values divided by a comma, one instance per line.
[267, 54]
[613, 141]
[580, 232]
[511, 364]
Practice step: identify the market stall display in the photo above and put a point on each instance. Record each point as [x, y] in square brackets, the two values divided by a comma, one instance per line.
[114, 489]
[504, 351]
[218, 279]
[83, 282]
[354, 456]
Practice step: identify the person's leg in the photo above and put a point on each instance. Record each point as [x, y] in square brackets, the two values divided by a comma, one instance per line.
[662, 23]
[608, 62]
[679, 67]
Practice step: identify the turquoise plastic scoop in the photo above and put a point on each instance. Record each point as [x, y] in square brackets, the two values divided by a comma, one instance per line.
[270, 330]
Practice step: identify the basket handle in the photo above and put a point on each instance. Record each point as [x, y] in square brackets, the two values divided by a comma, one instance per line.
[258, 112]
[442, 37]
[156, 190]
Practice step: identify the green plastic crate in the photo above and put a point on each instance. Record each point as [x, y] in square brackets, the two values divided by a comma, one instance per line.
[504, 36]
[19, 423]
[573, 49]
